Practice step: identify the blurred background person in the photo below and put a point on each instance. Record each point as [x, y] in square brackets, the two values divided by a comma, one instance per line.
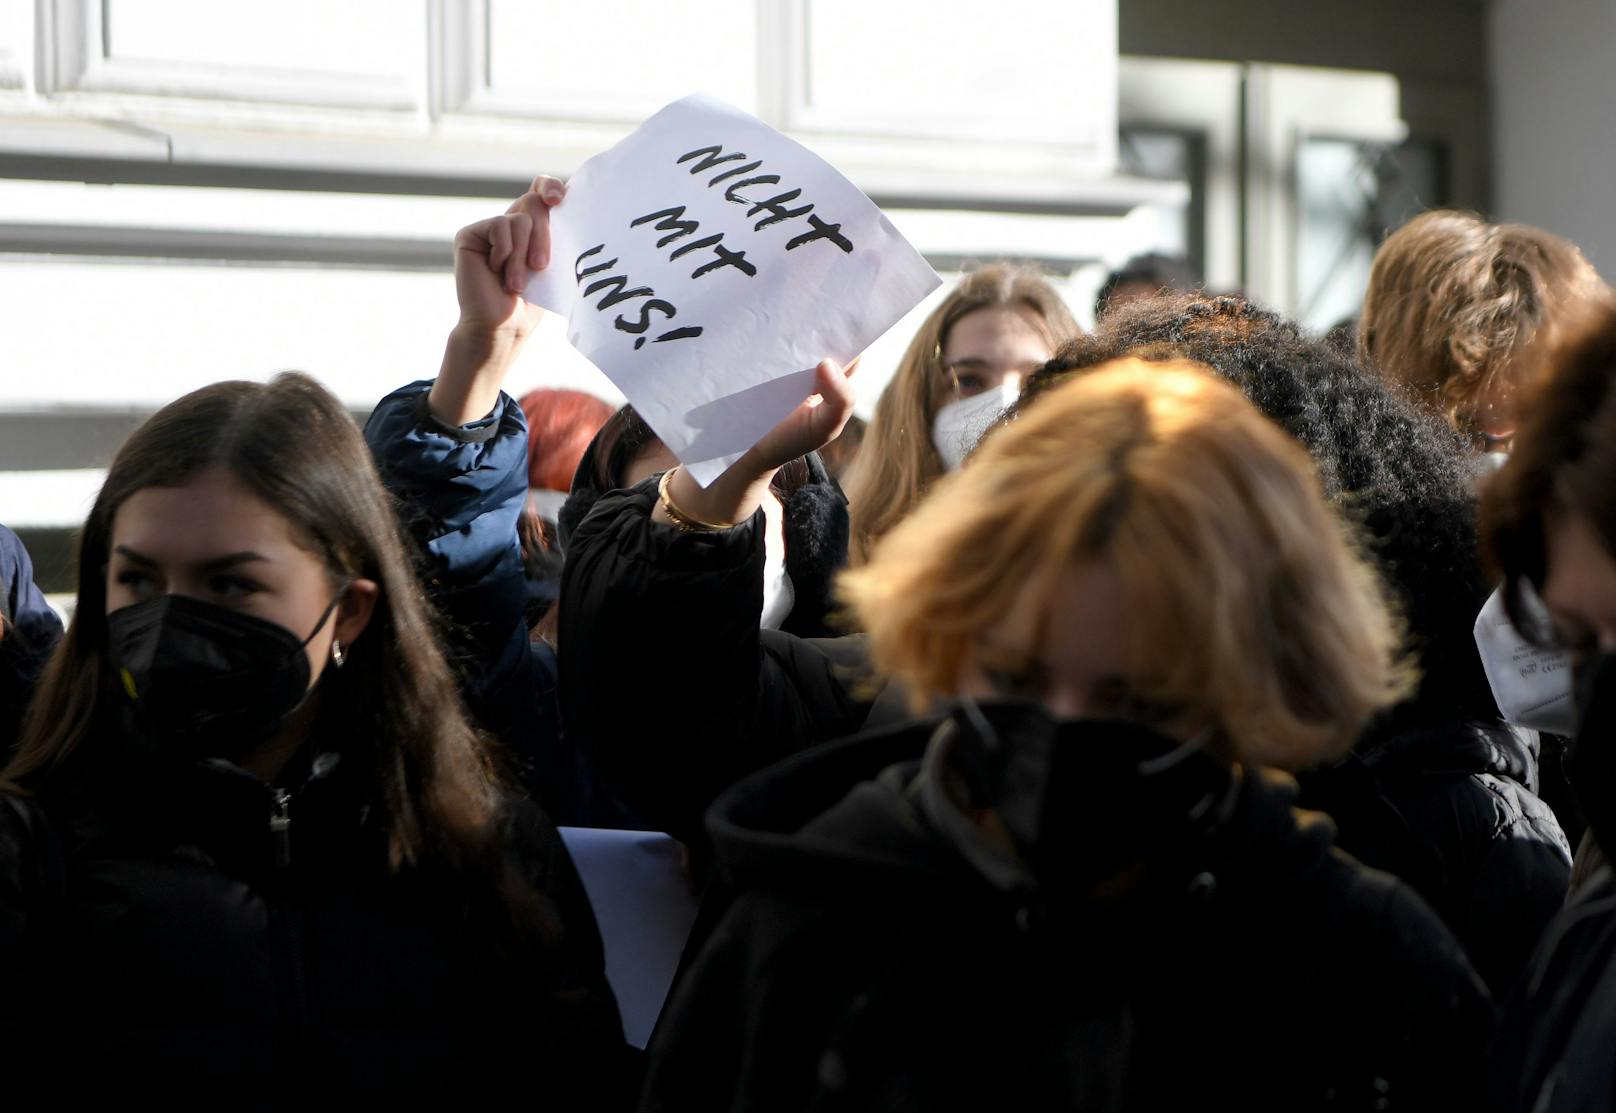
[560, 425]
[1452, 304]
[1143, 276]
[964, 368]
[1549, 523]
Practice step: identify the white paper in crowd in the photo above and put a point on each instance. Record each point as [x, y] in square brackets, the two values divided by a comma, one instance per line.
[635, 881]
[1532, 684]
[707, 263]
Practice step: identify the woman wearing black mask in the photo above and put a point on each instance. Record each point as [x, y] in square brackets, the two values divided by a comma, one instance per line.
[1082, 890]
[1549, 522]
[251, 853]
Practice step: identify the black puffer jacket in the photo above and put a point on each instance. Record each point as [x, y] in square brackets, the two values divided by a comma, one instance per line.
[864, 966]
[158, 939]
[1452, 811]
[816, 529]
[666, 680]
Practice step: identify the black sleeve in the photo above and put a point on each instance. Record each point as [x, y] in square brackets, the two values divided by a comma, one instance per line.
[31, 881]
[1519, 885]
[665, 678]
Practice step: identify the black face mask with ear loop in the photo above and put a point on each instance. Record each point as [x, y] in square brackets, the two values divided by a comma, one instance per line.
[1591, 760]
[1084, 799]
[204, 681]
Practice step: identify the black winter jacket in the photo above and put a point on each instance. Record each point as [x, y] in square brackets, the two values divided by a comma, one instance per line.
[864, 966]
[159, 940]
[669, 684]
[1453, 811]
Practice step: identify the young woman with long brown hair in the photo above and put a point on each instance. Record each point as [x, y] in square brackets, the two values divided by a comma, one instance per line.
[252, 854]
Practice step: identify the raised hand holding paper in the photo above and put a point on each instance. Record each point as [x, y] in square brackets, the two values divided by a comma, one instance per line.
[707, 263]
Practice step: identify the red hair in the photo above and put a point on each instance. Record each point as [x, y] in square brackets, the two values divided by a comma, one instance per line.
[560, 425]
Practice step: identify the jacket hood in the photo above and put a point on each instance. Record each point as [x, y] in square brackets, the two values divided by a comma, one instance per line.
[838, 815]
[829, 806]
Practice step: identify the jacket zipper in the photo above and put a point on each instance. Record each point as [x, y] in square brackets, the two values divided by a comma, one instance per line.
[285, 929]
[280, 828]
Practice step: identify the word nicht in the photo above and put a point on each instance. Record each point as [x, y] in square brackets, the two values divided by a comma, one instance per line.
[777, 208]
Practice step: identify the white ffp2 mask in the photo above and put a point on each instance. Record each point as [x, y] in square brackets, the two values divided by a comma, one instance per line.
[1532, 684]
[959, 425]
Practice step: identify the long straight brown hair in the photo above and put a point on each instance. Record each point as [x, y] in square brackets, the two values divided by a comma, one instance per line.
[291, 443]
[897, 461]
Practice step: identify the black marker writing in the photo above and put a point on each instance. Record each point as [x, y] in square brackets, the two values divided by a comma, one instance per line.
[672, 221]
[726, 258]
[777, 209]
[668, 220]
[618, 285]
[710, 157]
[821, 231]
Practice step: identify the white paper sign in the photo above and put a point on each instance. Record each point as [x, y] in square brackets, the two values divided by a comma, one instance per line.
[643, 906]
[707, 263]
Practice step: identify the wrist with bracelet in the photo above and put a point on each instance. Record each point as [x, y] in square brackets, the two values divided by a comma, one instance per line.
[683, 521]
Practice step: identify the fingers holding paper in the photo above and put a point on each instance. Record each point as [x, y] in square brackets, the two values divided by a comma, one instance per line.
[812, 425]
[495, 258]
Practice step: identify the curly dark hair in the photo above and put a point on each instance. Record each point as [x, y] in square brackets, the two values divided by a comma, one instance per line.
[1406, 478]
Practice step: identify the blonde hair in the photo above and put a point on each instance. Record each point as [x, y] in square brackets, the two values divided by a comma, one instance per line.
[1453, 301]
[1250, 602]
[897, 461]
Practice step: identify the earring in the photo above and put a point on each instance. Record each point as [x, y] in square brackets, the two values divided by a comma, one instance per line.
[337, 656]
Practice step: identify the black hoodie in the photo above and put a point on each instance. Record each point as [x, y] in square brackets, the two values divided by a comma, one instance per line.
[864, 965]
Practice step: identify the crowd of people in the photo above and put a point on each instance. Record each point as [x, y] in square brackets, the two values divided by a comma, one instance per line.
[1122, 738]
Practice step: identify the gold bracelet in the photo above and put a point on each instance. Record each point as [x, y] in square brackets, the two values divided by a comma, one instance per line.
[685, 523]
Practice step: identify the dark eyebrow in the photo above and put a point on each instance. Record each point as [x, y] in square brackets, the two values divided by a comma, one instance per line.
[229, 560]
[968, 361]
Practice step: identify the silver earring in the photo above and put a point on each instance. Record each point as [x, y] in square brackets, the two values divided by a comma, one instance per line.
[337, 656]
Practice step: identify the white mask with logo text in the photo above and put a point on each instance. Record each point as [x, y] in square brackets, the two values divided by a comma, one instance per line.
[1532, 684]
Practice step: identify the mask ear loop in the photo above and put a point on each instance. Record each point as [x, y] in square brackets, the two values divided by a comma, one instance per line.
[1177, 755]
[1213, 801]
[326, 614]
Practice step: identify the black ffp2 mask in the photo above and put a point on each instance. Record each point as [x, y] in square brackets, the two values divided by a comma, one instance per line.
[1086, 798]
[204, 680]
